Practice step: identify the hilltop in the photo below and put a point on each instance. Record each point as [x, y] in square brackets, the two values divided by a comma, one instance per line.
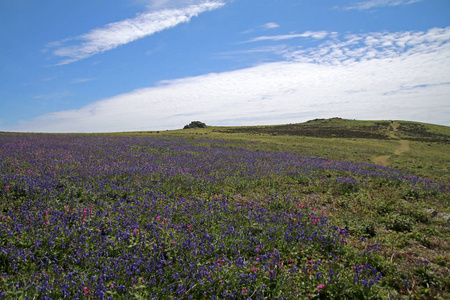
[343, 128]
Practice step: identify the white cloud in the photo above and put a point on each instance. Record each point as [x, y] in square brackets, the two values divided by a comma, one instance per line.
[267, 26]
[306, 34]
[119, 33]
[378, 45]
[158, 4]
[365, 5]
[402, 75]
[277, 49]
[271, 25]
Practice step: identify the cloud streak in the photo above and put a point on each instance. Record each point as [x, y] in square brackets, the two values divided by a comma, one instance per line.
[307, 34]
[271, 25]
[401, 75]
[366, 5]
[266, 26]
[123, 32]
[82, 80]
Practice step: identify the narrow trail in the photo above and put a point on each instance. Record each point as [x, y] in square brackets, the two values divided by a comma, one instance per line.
[382, 160]
[404, 147]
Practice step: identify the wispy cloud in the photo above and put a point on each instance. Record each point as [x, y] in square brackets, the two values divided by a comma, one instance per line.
[402, 75]
[306, 34]
[271, 25]
[55, 96]
[119, 33]
[162, 4]
[277, 49]
[267, 26]
[377, 45]
[365, 5]
[82, 80]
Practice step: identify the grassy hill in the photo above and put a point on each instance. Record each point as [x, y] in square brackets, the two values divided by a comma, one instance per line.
[425, 152]
[342, 128]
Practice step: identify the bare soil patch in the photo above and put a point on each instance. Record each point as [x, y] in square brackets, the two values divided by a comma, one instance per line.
[382, 160]
[404, 147]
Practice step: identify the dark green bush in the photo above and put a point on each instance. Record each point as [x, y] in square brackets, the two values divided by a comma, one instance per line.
[195, 124]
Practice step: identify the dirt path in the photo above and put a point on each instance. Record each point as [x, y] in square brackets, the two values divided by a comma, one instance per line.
[404, 147]
[382, 160]
[394, 127]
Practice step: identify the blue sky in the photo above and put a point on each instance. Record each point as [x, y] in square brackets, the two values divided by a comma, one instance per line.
[124, 65]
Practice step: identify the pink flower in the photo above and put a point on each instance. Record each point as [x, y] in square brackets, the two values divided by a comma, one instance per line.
[321, 286]
[7, 188]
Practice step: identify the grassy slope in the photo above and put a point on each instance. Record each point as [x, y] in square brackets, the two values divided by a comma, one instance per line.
[349, 140]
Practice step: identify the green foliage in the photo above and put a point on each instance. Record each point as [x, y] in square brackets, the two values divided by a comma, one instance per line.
[195, 124]
[399, 223]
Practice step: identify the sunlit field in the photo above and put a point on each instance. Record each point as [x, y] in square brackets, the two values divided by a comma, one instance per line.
[148, 216]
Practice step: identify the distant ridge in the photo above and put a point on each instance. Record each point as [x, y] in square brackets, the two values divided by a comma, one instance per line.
[344, 128]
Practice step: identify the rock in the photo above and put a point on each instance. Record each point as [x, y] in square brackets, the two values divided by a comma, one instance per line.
[446, 217]
[431, 212]
[434, 214]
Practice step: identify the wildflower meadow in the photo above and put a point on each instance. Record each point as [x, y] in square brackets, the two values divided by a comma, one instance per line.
[146, 217]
